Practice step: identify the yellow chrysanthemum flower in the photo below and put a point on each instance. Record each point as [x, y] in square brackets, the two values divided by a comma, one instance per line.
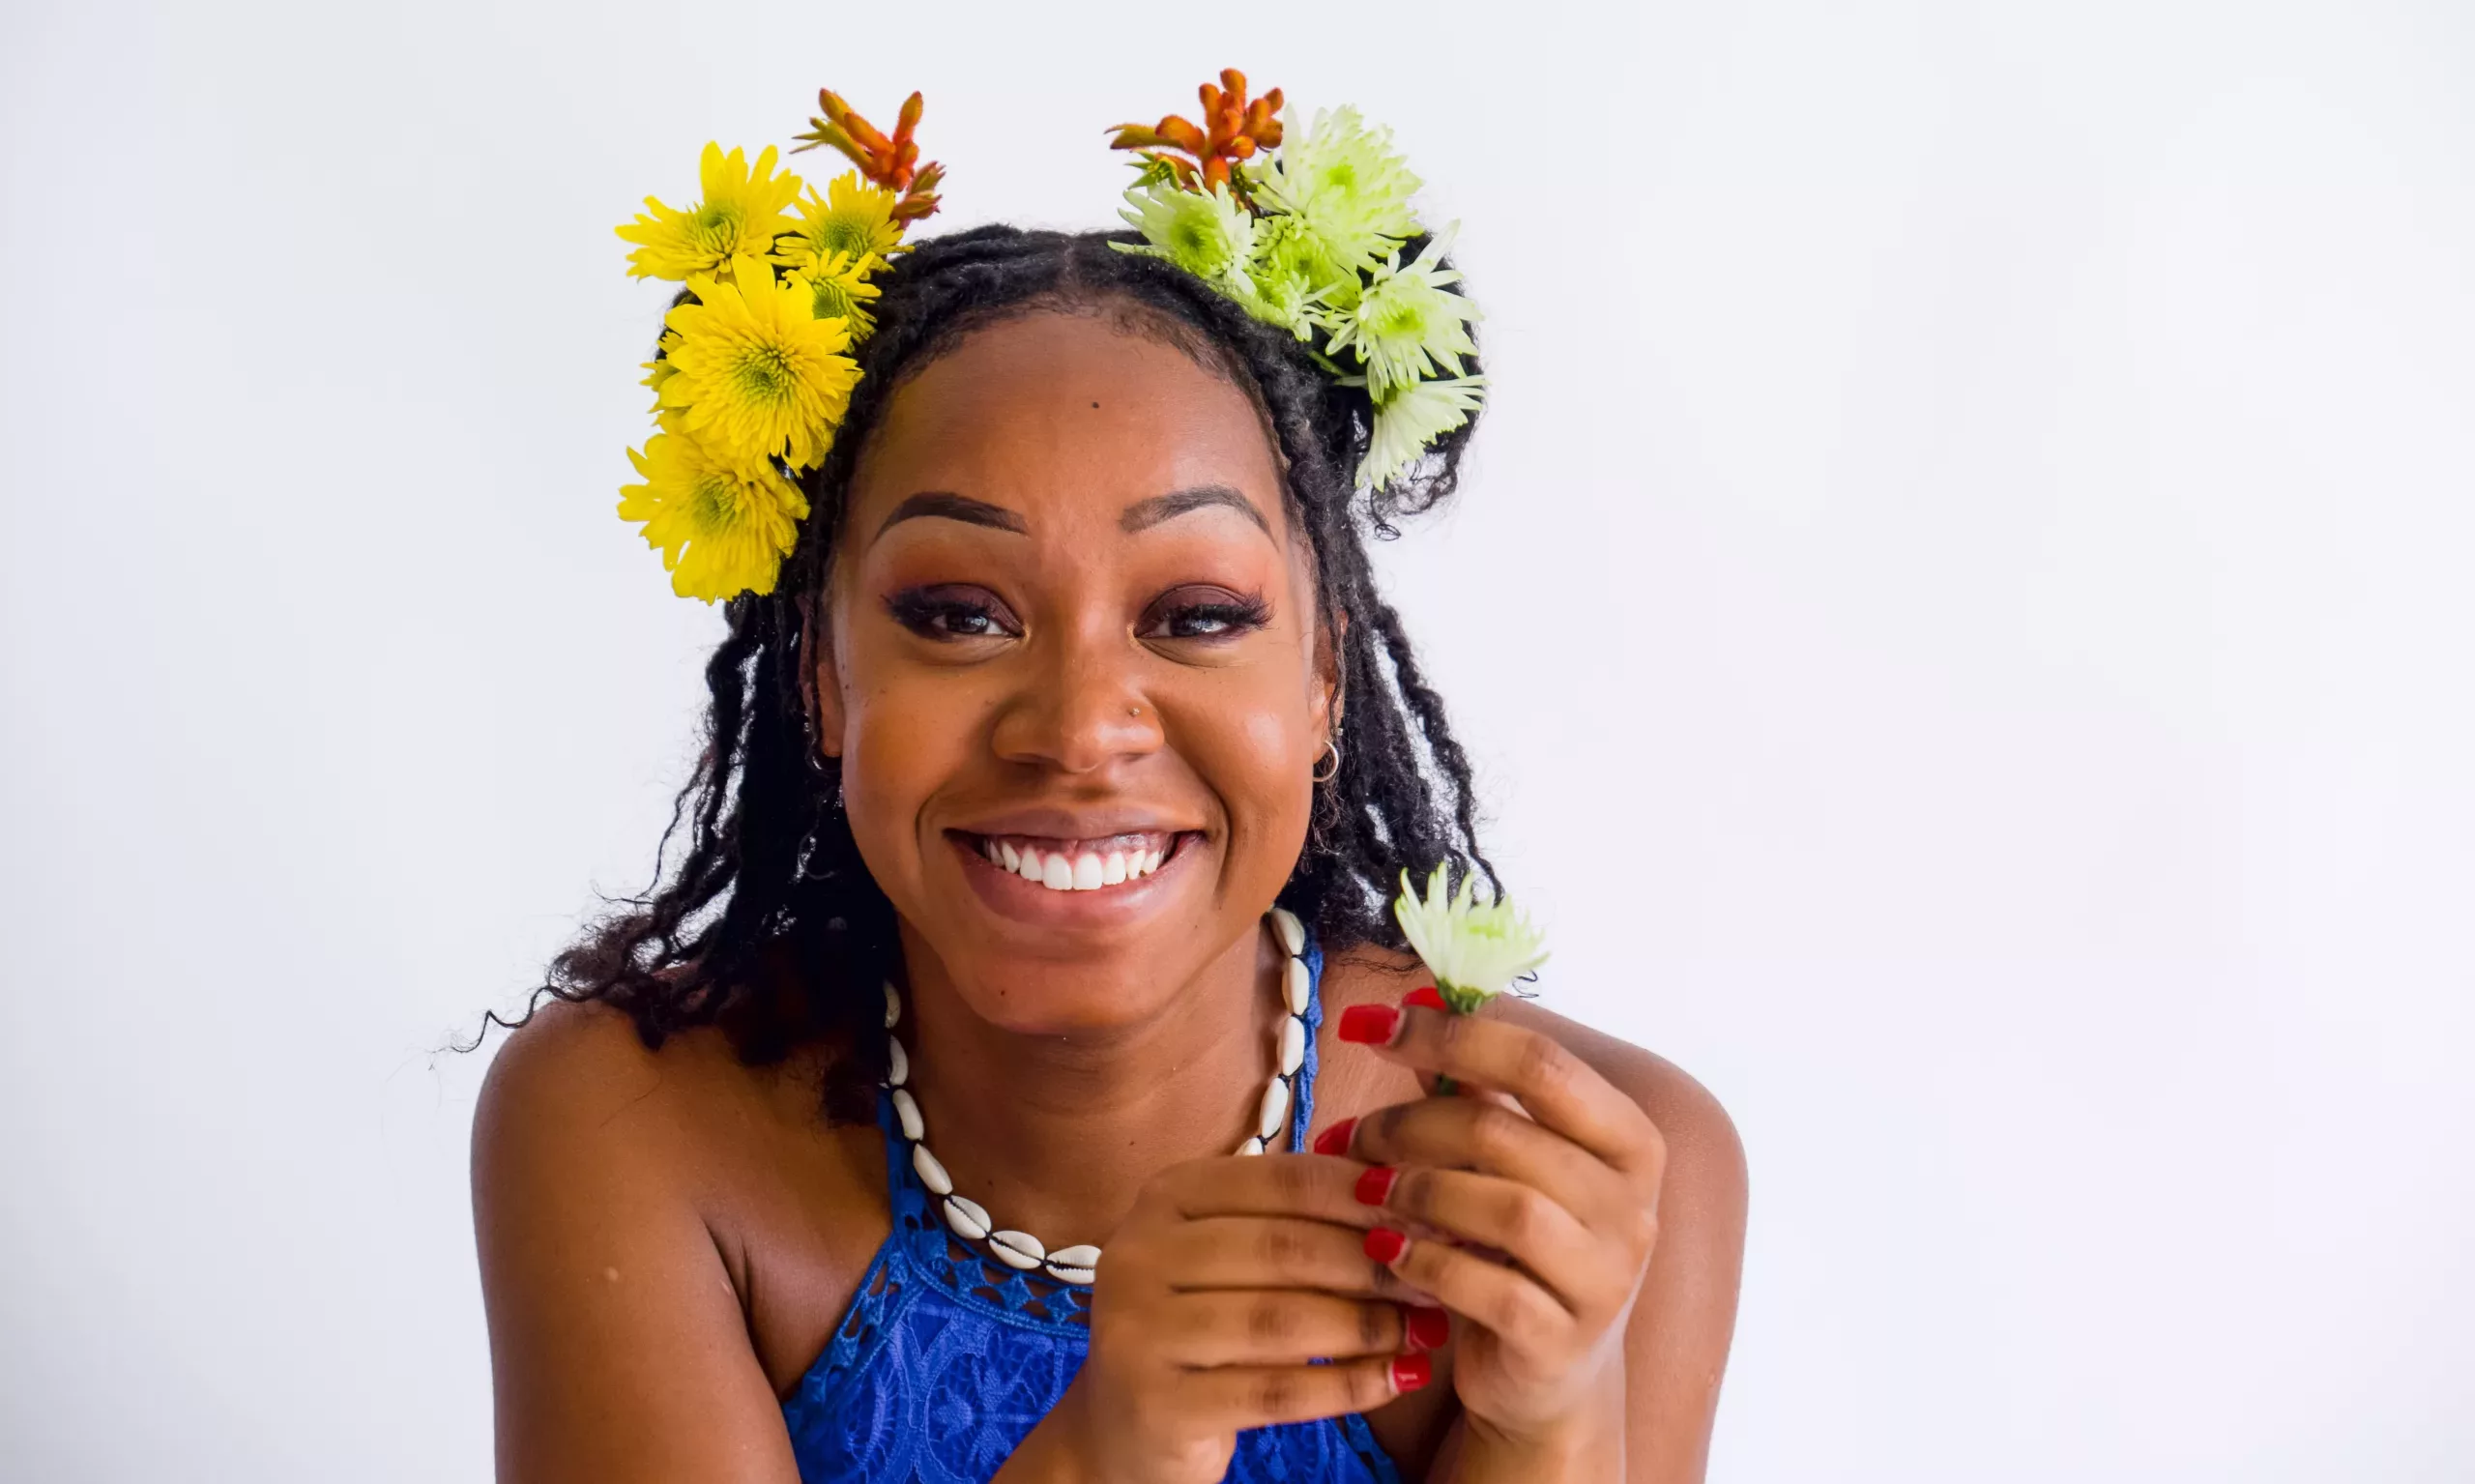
[838, 287]
[850, 221]
[740, 213]
[722, 528]
[659, 369]
[755, 374]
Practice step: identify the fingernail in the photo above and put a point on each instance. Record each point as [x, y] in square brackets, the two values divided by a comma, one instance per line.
[1426, 998]
[1376, 1184]
[1369, 1025]
[1428, 1328]
[1335, 1140]
[1383, 1244]
[1411, 1372]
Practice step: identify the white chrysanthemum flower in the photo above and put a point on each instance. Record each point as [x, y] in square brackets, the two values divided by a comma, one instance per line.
[1412, 419]
[1407, 325]
[1295, 279]
[1209, 234]
[1346, 182]
[1475, 946]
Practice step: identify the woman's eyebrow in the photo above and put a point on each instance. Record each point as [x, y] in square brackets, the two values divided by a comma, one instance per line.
[949, 505]
[1146, 513]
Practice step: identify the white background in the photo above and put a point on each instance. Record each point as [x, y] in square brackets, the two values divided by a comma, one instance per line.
[1963, 606]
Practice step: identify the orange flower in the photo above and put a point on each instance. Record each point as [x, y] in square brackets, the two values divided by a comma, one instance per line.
[891, 163]
[1233, 129]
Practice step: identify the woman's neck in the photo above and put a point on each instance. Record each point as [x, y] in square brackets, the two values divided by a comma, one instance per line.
[1055, 1135]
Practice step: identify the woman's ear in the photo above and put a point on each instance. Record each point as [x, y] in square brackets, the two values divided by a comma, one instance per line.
[1331, 695]
[820, 680]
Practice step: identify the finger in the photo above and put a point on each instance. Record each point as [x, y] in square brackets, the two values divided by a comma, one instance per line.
[1520, 1312]
[1260, 1396]
[1586, 1274]
[1467, 1133]
[1307, 1185]
[1246, 1252]
[1559, 1089]
[1275, 1327]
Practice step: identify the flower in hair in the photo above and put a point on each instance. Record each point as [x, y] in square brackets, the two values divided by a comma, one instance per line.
[755, 374]
[1415, 418]
[722, 527]
[1346, 185]
[1407, 325]
[839, 289]
[1198, 156]
[1207, 233]
[1473, 944]
[851, 220]
[740, 213]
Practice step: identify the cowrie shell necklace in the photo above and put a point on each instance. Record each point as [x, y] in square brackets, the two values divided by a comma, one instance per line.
[1021, 1250]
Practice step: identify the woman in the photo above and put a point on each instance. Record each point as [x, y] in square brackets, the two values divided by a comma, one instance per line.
[1076, 668]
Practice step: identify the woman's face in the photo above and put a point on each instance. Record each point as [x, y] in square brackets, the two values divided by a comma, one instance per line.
[1073, 670]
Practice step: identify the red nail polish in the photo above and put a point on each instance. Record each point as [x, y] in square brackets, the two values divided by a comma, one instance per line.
[1376, 1184]
[1383, 1244]
[1426, 998]
[1411, 1372]
[1335, 1140]
[1428, 1328]
[1369, 1025]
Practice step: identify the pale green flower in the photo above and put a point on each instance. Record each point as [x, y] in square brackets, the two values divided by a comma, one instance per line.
[1346, 182]
[1406, 326]
[1208, 234]
[1296, 277]
[1475, 946]
[1413, 418]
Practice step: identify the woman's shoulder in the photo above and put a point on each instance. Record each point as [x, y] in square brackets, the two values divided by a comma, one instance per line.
[577, 1100]
[1701, 1141]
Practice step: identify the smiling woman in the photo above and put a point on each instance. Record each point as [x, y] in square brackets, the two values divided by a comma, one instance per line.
[1054, 792]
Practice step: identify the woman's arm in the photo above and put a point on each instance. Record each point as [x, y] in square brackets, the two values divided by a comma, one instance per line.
[618, 1346]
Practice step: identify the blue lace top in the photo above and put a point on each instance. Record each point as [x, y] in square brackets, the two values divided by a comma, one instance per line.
[947, 1360]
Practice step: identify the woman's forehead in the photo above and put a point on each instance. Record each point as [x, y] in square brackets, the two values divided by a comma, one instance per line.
[1064, 411]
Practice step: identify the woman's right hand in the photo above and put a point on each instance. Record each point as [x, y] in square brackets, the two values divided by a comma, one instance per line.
[1228, 1277]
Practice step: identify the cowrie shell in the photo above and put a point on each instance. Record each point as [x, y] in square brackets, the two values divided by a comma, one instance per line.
[1276, 1109]
[1296, 985]
[965, 1217]
[1016, 1249]
[1292, 932]
[931, 1174]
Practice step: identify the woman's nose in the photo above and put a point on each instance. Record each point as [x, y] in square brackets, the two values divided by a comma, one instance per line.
[1081, 705]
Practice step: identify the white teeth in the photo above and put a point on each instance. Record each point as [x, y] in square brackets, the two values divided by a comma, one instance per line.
[1067, 871]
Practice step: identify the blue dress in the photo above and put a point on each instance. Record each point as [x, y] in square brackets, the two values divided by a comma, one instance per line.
[945, 1359]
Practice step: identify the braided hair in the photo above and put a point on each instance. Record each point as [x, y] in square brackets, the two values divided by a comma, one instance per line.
[771, 927]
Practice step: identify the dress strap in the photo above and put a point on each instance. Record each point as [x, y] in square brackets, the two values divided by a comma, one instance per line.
[1302, 1087]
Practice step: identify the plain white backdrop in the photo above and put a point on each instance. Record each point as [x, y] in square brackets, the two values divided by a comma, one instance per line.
[1961, 604]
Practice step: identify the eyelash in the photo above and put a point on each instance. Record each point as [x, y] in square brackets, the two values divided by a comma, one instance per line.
[934, 613]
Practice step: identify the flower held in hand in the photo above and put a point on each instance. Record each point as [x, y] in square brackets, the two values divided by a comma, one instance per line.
[1475, 946]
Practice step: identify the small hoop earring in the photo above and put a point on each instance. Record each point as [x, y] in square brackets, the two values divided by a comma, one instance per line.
[1333, 750]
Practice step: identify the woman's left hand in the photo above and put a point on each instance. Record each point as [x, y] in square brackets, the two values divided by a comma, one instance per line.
[1566, 1197]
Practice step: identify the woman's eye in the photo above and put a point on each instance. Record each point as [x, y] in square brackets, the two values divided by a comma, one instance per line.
[1208, 613]
[951, 613]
